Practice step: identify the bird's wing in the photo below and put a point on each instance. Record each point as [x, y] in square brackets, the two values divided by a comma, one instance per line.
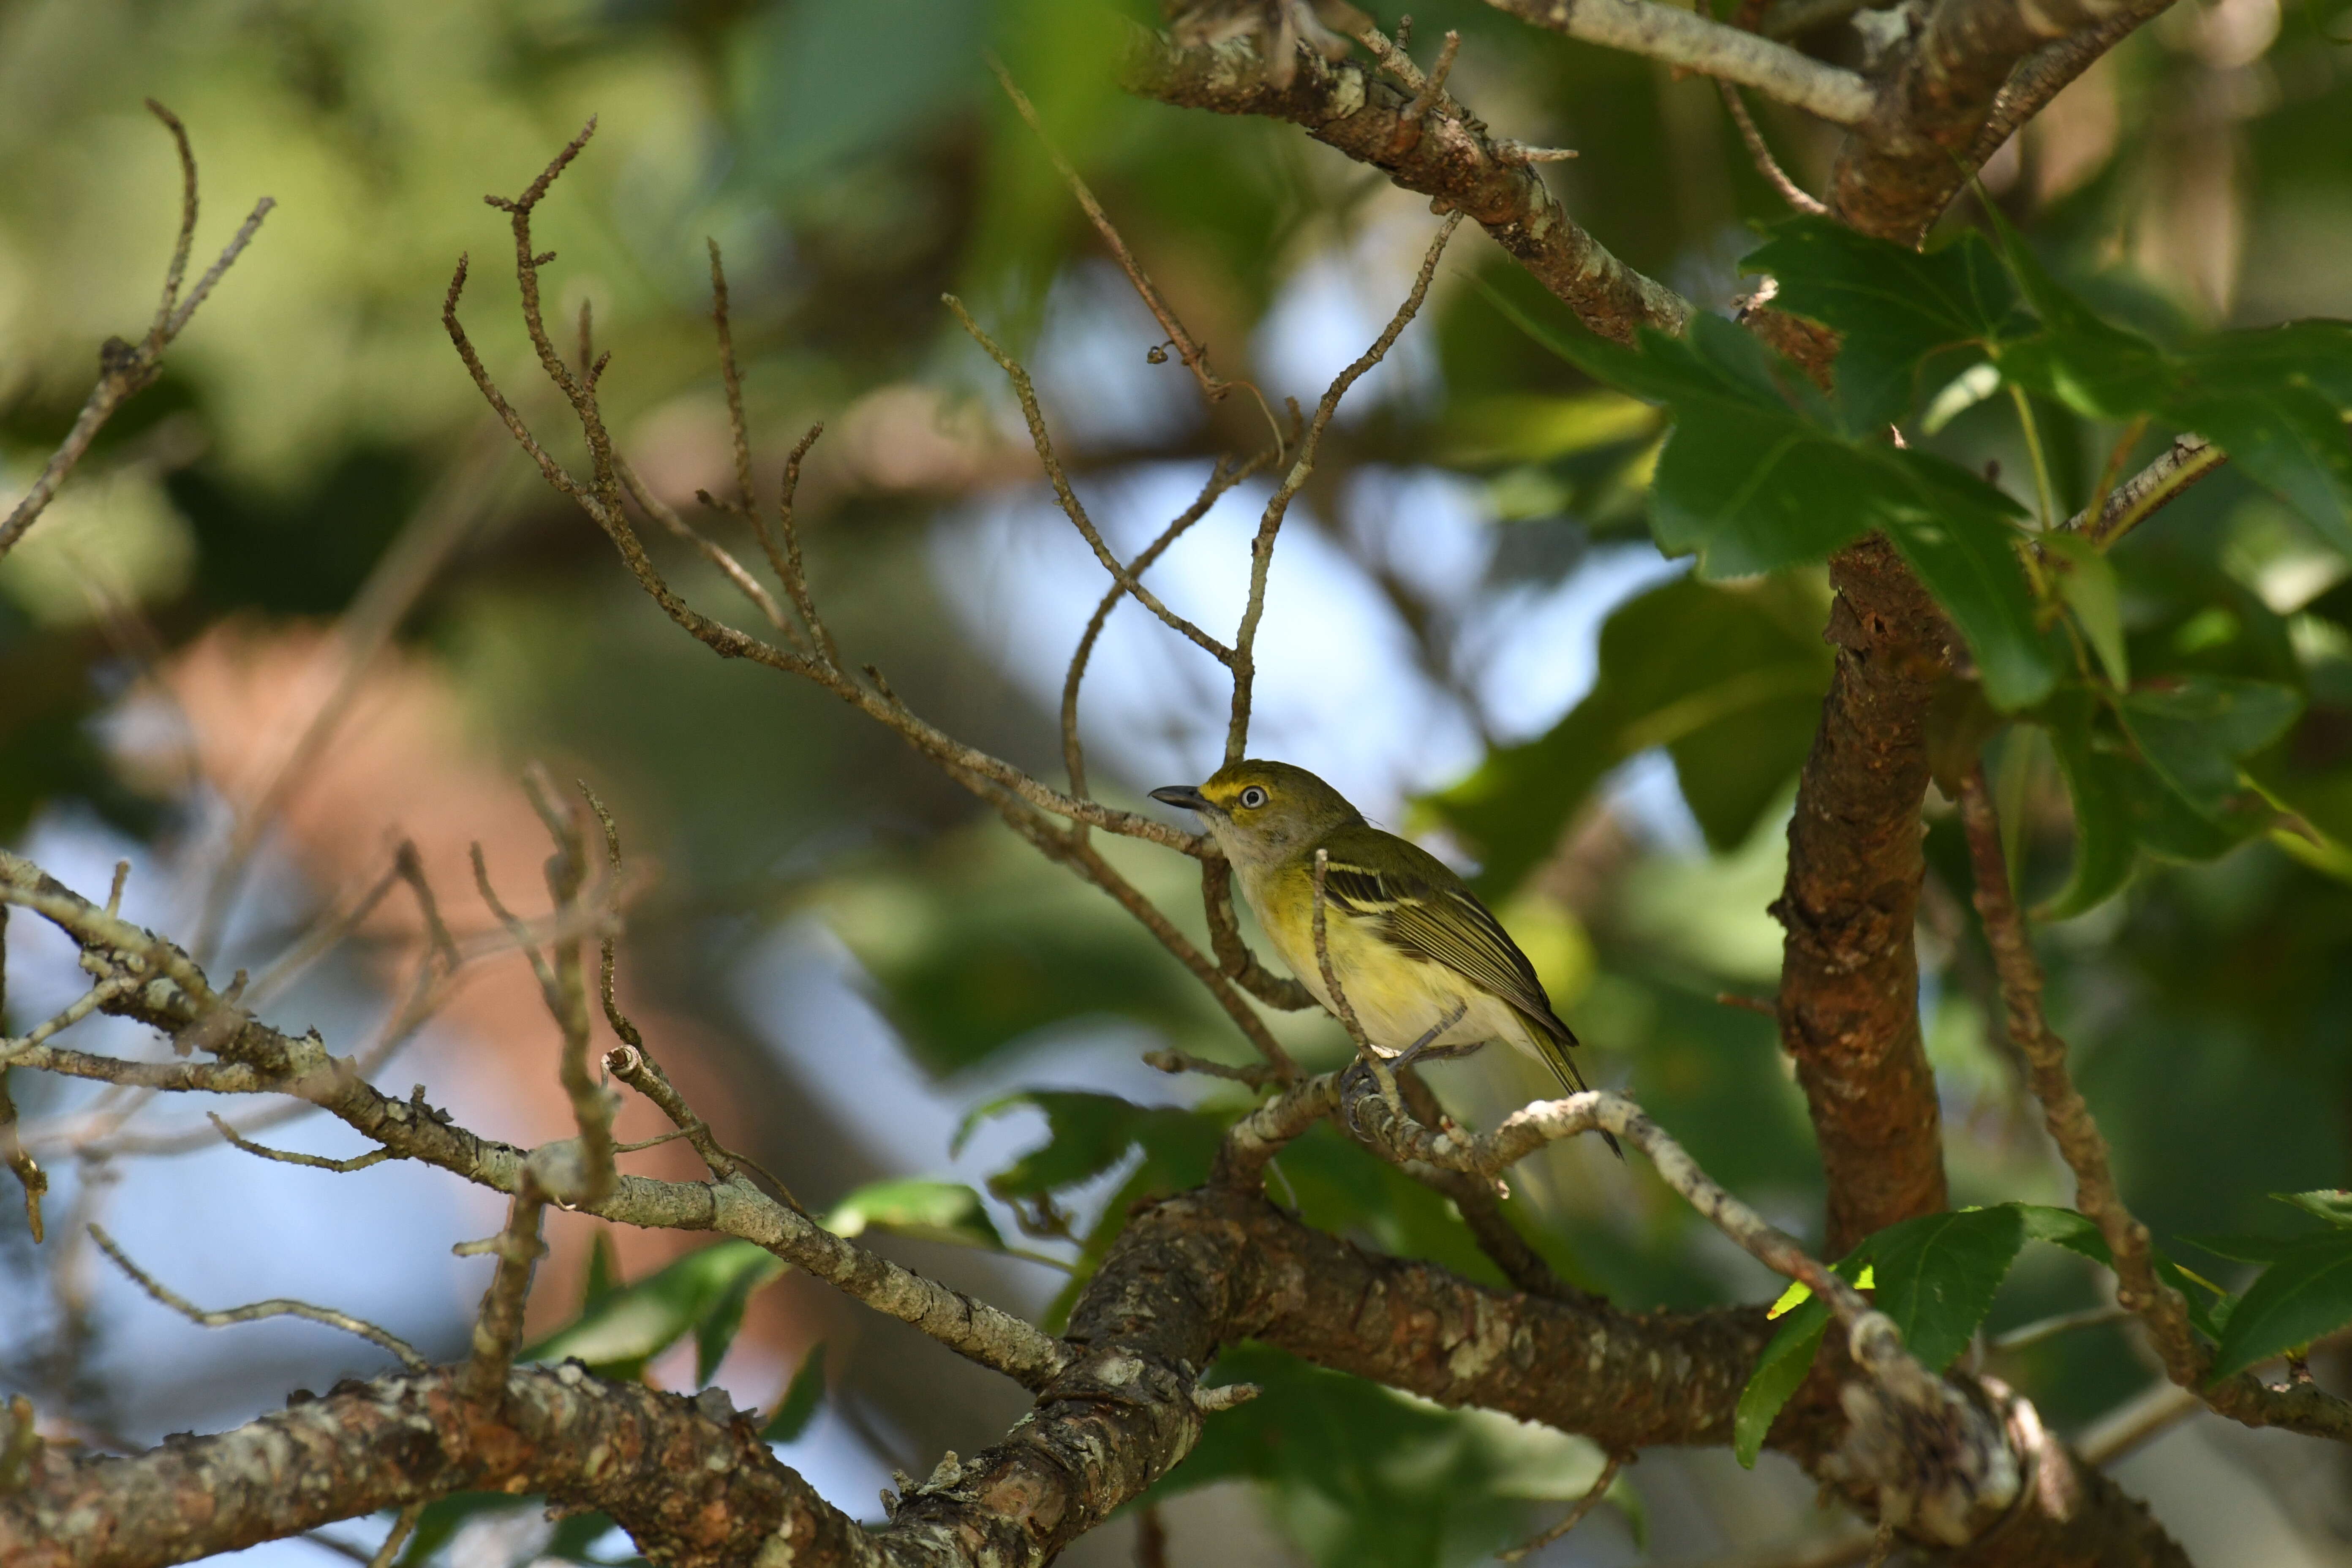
[1428, 911]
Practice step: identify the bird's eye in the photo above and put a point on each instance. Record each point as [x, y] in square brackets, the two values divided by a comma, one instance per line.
[1253, 797]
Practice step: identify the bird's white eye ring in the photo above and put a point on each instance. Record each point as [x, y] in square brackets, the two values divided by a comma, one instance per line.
[1253, 797]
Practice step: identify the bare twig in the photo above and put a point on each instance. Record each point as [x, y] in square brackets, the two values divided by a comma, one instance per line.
[402, 1529]
[399, 1347]
[455, 506]
[1235, 960]
[1243, 659]
[125, 368]
[1575, 1516]
[1190, 352]
[1427, 93]
[288, 1157]
[711, 551]
[2188, 460]
[2034, 1333]
[567, 874]
[1221, 479]
[1072, 506]
[12, 1152]
[1795, 195]
[1695, 42]
[498, 1331]
[2158, 1305]
[600, 498]
[1342, 1008]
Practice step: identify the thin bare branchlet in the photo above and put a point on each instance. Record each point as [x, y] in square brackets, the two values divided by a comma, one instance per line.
[1480, 1202]
[2027, 1335]
[1081, 857]
[2126, 506]
[1190, 352]
[519, 934]
[710, 550]
[402, 1529]
[1072, 508]
[632, 1063]
[2243, 1397]
[1575, 1516]
[497, 1329]
[279, 1307]
[288, 1157]
[323, 937]
[567, 877]
[1428, 93]
[125, 369]
[12, 1152]
[1243, 661]
[747, 503]
[1341, 1008]
[789, 565]
[1221, 479]
[1795, 195]
[1256, 1075]
[600, 498]
[1235, 960]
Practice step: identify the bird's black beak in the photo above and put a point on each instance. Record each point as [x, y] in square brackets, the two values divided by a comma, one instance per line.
[1189, 796]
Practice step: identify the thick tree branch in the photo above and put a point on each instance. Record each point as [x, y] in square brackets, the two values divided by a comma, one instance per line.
[1903, 163]
[1454, 160]
[1848, 1005]
[1691, 40]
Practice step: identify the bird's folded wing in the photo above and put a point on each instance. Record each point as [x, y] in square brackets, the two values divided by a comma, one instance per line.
[1444, 925]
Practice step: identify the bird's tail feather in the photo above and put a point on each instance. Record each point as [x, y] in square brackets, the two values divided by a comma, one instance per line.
[1555, 1053]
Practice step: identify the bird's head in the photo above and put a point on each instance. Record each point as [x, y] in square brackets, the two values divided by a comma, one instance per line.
[1262, 813]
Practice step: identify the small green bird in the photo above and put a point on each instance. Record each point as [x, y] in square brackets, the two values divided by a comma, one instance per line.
[1426, 967]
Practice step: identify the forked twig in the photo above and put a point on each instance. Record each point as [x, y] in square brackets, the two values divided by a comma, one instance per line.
[1795, 195]
[1243, 662]
[1193, 356]
[1584, 1505]
[1072, 506]
[497, 1329]
[279, 1307]
[127, 368]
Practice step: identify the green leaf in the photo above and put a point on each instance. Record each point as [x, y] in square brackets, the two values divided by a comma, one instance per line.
[604, 1269]
[2246, 1247]
[2193, 728]
[1728, 678]
[1088, 1134]
[1779, 1373]
[1954, 529]
[2067, 1228]
[802, 1396]
[2306, 1294]
[2091, 366]
[2088, 760]
[1892, 306]
[2086, 582]
[1937, 1275]
[1761, 473]
[2333, 1204]
[702, 1293]
[2291, 440]
[918, 1206]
